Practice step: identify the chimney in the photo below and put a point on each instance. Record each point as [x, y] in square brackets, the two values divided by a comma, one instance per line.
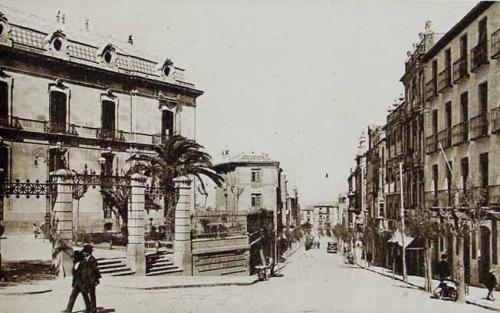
[87, 24]
[130, 40]
[58, 16]
[64, 18]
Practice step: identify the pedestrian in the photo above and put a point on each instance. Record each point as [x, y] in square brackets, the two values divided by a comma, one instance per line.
[90, 275]
[77, 284]
[36, 230]
[369, 258]
[491, 284]
[443, 271]
[318, 244]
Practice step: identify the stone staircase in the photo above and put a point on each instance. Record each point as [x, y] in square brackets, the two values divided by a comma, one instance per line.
[161, 264]
[114, 266]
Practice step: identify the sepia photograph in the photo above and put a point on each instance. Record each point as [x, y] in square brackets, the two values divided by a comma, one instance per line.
[253, 156]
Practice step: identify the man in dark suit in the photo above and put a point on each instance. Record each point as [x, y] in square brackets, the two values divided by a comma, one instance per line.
[77, 284]
[90, 275]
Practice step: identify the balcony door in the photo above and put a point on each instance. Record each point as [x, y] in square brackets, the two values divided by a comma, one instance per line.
[4, 103]
[58, 111]
[108, 118]
[167, 124]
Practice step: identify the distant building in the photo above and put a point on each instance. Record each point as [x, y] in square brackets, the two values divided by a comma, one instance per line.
[323, 216]
[251, 182]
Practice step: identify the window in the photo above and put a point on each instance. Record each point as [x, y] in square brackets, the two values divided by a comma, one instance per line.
[483, 98]
[167, 124]
[482, 31]
[256, 176]
[256, 201]
[447, 109]
[483, 169]
[464, 164]
[58, 111]
[463, 50]
[108, 119]
[434, 122]
[4, 162]
[464, 107]
[4, 103]
[435, 178]
[434, 76]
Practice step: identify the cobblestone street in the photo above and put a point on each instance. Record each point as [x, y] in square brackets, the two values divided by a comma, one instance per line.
[313, 281]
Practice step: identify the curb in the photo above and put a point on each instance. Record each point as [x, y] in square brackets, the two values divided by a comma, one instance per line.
[18, 293]
[203, 285]
[421, 288]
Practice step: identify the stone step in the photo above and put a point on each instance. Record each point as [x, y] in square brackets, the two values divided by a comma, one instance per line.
[160, 264]
[126, 272]
[162, 268]
[110, 266]
[175, 270]
[109, 262]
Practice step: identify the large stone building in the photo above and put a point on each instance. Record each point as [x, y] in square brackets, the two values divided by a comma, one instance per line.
[322, 216]
[73, 99]
[462, 123]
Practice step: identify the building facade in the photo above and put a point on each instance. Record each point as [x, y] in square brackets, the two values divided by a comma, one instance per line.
[323, 216]
[72, 99]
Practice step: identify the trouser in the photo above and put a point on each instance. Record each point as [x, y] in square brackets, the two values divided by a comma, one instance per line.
[72, 298]
[490, 294]
[93, 301]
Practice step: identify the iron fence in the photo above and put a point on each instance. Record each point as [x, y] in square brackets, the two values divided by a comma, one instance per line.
[218, 225]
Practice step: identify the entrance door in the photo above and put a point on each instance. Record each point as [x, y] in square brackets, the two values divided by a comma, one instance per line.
[484, 262]
[467, 257]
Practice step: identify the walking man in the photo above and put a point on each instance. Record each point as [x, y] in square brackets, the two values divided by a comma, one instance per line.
[90, 275]
[443, 271]
[77, 284]
[491, 284]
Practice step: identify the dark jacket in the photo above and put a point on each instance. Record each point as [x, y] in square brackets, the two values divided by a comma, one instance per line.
[443, 269]
[90, 272]
[490, 281]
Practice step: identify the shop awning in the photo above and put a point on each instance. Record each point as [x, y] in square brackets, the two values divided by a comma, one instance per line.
[398, 238]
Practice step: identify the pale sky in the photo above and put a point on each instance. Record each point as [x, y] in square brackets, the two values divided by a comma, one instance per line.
[298, 80]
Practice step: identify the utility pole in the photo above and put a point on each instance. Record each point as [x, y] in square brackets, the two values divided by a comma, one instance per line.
[405, 278]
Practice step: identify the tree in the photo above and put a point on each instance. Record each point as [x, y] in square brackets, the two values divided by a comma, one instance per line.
[422, 228]
[464, 216]
[177, 156]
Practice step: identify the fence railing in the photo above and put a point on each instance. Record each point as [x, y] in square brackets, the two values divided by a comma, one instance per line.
[431, 143]
[459, 70]
[80, 131]
[219, 225]
[479, 55]
[461, 133]
[495, 44]
[444, 138]
[444, 79]
[478, 126]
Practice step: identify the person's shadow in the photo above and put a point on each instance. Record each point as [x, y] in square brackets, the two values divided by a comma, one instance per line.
[99, 310]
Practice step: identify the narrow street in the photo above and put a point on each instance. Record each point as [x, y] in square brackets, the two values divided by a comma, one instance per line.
[313, 281]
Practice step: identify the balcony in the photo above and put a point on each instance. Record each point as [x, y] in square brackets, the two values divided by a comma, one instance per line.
[478, 127]
[460, 133]
[444, 79]
[495, 44]
[494, 195]
[479, 56]
[460, 70]
[430, 89]
[495, 120]
[431, 144]
[444, 138]
[83, 132]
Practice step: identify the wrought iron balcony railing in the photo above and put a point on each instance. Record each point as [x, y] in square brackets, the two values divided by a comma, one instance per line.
[478, 126]
[444, 138]
[461, 133]
[444, 79]
[460, 70]
[495, 120]
[37, 126]
[495, 44]
[479, 55]
[430, 89]
[431, 144]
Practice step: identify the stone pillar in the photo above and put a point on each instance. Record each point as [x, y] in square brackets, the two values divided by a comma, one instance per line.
[182, 244]
[63, 221]
[136, 254]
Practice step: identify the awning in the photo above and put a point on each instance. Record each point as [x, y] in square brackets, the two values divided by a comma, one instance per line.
[397, 238]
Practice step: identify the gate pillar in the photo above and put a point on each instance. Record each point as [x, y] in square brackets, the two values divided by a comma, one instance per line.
[63, 222]
[136, 254]
[182, 244]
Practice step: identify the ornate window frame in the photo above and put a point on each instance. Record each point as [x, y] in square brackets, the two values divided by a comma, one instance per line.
[59, 86]
[108, 56]
[57, 44]
[5, 30]
[108, 95]
[7, 79]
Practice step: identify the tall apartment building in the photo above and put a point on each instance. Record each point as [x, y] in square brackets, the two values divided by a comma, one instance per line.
[69, 99]
[462, 125]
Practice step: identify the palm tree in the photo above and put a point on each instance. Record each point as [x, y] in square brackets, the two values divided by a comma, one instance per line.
[177, 156]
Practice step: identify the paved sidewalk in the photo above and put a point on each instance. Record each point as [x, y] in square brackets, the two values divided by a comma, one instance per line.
[476, 295]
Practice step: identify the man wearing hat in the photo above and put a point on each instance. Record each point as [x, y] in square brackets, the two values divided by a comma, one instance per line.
[90, 274]
[490, 283]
